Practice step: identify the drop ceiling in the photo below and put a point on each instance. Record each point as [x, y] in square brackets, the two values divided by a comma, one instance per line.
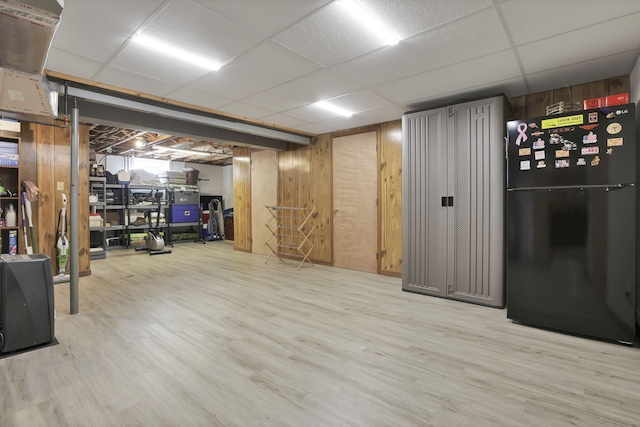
[282, 56]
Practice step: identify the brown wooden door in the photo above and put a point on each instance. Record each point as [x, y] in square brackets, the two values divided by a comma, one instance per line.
[355, 212]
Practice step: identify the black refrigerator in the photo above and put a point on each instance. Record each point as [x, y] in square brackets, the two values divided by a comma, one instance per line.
[571, 222]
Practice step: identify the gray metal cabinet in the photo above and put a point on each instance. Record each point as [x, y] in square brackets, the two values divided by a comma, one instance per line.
[453, 201]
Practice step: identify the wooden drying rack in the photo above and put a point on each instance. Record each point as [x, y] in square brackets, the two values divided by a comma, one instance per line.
[291, 232]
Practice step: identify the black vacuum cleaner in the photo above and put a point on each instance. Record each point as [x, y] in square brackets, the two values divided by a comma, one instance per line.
[153, 241]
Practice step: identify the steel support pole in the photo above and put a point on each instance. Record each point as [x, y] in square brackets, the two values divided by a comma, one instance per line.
[74, 195]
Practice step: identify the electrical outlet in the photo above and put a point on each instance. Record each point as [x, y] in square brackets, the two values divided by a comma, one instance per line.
[60, 186]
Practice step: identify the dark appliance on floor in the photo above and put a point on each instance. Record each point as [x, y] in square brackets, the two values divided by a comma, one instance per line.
[572, 222]
[26, 302]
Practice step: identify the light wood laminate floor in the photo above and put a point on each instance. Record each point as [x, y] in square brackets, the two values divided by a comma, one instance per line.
[207, 336]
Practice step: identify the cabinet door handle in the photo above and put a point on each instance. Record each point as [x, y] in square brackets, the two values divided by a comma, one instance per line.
[444, 201]
[450, 201]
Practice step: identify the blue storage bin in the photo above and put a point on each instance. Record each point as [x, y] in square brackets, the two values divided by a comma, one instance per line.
[183, 213]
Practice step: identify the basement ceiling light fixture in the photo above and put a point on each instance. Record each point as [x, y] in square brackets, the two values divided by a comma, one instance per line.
[369, 21]
[166, 49]
[181, 151]
[334, 108]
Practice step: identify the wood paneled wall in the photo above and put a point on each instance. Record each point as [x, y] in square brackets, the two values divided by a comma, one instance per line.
[242, 199]
[264, 192]
[534, 105]
[390, 205]
[305, 181]
[305, 174]
[45, 159]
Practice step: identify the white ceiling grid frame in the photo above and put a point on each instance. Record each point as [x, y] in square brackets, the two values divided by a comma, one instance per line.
[330, 36]
[72, 64]
[568, 15]
[188, 26]
[582, 44]
[259, 69]
[409, 17]
[480, 71]
[355, 102]
[318, 86]
[266, 17]
[468, 37]
[99, 28]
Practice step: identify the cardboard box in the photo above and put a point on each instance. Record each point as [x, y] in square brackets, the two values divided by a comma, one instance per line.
[590, 104]
[622, 98]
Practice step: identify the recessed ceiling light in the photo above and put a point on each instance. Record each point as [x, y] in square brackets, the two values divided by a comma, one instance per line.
[181, 151]
[334, 108]
[167, 49]
[369, 21]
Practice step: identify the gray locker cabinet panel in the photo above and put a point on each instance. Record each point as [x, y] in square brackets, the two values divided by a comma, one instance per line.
[455, 251]
[424, 218]
[478, 136]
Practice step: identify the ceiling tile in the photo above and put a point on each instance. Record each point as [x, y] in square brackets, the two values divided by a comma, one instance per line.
[246, 110]
[582, 45]
[68, 63]
[380, 115]
[481, 71]
[284, 120]
[589, 71]
[126, 79]
[330, 36]
[406, 18]
[139, 60]
[471, 37]
[198, 97]
[266, 17]
[96, 29]
[356, 102]
[561, 16]
[315, 87]
[266, 66]
[316, 128]
[193, 28]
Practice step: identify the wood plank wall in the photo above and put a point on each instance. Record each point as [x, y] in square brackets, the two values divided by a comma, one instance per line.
[242, 199]
[45, 159]
[305, 181]
[305, 174]
[534, 105]
[390, 215]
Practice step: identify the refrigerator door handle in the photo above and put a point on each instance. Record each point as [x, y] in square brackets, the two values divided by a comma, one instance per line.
[444, 201]
[450, 201]
[607, 187]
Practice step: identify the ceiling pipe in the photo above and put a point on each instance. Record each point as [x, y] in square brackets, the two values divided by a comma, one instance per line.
[127, 139]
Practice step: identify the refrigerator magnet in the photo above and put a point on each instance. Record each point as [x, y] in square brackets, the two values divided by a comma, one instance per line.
[614, 142]
[525, 165]
[587, 151]
[539, 144]
[614, 128]
[568, 145]
[524, 151]
[539, 155]
[538, 133]
[563, 163]
[561, 153]
[555, 138]
[595, 161]
[588, 127]
[541, 164]
[581, 162]
[593, 117]
[533, 125]
[609, 151]
[610, 115]
[590, 138]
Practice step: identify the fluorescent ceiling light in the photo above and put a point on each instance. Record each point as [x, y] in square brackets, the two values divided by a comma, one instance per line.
[167, 49]
[334, 108]
[181, 151]
[369, 21]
